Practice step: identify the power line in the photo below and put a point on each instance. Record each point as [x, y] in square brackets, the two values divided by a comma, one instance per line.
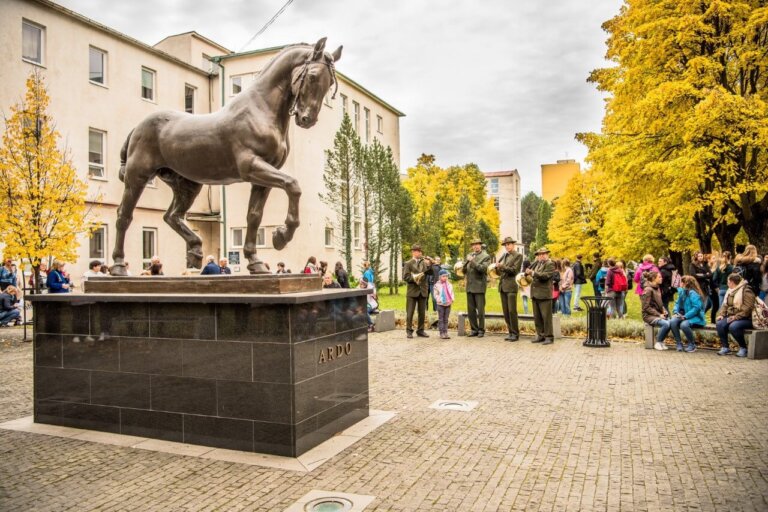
[267, 24]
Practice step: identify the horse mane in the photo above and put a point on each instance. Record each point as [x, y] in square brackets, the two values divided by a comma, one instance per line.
[288, 47]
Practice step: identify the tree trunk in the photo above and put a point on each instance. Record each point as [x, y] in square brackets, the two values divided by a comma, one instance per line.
[703, 221]
[726, 236]
[757, 232]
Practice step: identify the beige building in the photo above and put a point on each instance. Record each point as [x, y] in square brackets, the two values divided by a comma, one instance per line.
[504, 188]
[102, 83]
[555, 178]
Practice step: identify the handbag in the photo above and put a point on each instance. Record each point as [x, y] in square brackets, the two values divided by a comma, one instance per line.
[759, 315]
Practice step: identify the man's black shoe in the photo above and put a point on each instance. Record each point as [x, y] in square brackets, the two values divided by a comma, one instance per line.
[511, 337]
[409, 335]
[480, 334]
[422, 334]
[548, 341]
[473, 333]
[537, 340]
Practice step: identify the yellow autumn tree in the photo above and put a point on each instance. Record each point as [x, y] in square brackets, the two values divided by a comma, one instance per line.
[685, 132]
[42, 200]
[576, 219]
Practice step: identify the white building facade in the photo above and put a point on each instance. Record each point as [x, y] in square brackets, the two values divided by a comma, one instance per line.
[504, 188]
[103, 83]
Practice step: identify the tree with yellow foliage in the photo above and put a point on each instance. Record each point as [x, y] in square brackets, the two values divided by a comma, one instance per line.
[684, 137]
[42, 200]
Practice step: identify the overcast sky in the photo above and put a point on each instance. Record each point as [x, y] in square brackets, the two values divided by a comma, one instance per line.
[501, 83]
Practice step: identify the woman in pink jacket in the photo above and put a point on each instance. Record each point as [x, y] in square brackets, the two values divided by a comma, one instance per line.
[646, 266]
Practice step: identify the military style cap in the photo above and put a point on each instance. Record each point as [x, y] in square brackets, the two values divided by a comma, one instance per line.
[415, 247]
[542, 250]
[475, 241]
[508, 240]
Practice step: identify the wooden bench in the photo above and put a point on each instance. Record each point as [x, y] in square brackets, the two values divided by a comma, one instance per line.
[383, 320]
[463, 317]
[757, 339]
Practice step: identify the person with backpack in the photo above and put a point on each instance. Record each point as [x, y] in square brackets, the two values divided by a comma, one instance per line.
[579, 279]
[615, 288]
[600, 279]
[699, 268]
[646, 266]
[670, 280]
[747, 265]
[688, 313]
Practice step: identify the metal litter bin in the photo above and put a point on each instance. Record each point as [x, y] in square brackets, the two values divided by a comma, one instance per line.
[597, 321]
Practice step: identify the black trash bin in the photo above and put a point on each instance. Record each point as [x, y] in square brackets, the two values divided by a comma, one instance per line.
[597, 321]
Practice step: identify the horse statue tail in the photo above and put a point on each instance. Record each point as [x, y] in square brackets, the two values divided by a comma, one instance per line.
[124, 157]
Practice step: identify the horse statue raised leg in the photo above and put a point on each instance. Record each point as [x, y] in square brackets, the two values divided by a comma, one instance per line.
[246, 141]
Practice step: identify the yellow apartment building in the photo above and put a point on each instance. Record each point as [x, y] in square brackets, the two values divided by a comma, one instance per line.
[555, 177]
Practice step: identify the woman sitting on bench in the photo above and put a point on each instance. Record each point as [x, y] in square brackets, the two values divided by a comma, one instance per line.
[688, 312]
[735, 314]
[654, 312]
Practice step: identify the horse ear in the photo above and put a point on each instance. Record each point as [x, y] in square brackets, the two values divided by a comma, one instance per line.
[337, 54]
[319, 47]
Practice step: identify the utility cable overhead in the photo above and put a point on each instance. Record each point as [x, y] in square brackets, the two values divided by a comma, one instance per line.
[267, 24]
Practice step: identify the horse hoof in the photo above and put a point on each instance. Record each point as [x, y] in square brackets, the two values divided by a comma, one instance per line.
[118, 269]
[280, 238]
[258, 268]
[194, 259]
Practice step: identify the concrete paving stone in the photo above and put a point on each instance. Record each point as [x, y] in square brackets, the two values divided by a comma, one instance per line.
[561, 427]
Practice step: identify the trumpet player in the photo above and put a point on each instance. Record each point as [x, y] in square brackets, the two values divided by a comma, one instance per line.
[414, 273]
[542, 270]
[475, 269]
[509, 266]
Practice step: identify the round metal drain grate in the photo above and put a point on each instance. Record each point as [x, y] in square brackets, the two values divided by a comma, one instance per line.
[329, 504]
[453, 405]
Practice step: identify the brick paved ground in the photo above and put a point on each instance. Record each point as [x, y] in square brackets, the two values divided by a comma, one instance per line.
[558, 428]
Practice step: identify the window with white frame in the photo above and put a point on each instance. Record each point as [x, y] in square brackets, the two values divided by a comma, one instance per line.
[356, 112]
[97, 66]
[344, 105]
[496, 202]
[147, 84]
[356, 234]
[238, 235]
[356, 202]
[379, 124]
[237, 84]
[367, 126]
[32, 41]
[329, 237]
[189, 99]
[148, 245]
[261, 237]
[98, 244]
[494, 186]
[96, 151]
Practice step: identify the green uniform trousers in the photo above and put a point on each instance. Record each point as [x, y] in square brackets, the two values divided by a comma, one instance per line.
[476, 311]
[542, 318]
[411, 304]
[509, 307]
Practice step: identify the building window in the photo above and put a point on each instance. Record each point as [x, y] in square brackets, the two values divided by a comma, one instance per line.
[98, 243]
[97, 66]
[367, 125]
[356, 120]
[189, 99]
[344, 105]
[356, 235]
[496, 202]
[32, 40]
[329, 237]
[96, 143]
[356, 202]
[494, 186]
[148, 245]
[261, 237]
[147, 84]
[237, 84]
[238, 234]
[379, 124]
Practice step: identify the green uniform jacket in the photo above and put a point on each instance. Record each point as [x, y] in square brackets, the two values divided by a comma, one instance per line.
[476, 272]
[411, 268]
[541, 287]
[509, 266]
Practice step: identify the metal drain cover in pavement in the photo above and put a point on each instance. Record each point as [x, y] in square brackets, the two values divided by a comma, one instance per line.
[330, 501]
[454, 405]
[330, 504]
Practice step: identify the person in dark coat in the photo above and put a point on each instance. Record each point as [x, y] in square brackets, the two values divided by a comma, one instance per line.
[579, 279]
[9, 309]
[597, 264]
[475, 269]
[224, 266]
[667, 270]
[341, 275]
[417, 291]
[700, 269]
[509, 266]
[542, 271]
[211, 268]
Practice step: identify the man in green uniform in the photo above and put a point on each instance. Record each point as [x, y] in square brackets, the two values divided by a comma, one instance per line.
[509, 266]
[475, 269]
[542, 271]
[417, 292]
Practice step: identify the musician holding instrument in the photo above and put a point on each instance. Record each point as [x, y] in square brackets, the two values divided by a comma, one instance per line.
[475, 268]
[509, 266]
[542, 271]
[415, 274]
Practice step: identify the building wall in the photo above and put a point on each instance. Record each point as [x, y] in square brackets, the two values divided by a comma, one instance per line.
[508, 196]
[555, 178]
[117, 106]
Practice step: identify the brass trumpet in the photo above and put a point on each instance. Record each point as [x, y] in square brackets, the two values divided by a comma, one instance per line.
[458, 268]
[493, 271]
[418, 278]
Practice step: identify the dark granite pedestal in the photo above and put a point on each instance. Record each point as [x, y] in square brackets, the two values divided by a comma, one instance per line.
[273, 374]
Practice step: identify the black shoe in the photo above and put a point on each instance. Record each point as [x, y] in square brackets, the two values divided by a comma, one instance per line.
[409, 335]
[537, 340]
[480, 334]
[422, 334]
[433, 325]
[473, 333]
[548, 341]
[511, 337]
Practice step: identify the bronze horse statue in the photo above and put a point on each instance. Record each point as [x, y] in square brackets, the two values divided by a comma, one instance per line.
[246, 141]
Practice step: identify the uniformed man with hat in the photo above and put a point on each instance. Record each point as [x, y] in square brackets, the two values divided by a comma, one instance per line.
[508, 268]
[475, 270]
[417, 291]
[542, 271]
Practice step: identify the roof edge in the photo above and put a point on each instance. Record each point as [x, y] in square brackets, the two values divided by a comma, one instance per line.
[195, 33]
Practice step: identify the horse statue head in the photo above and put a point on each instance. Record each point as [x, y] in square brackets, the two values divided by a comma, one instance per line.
[310, 83]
